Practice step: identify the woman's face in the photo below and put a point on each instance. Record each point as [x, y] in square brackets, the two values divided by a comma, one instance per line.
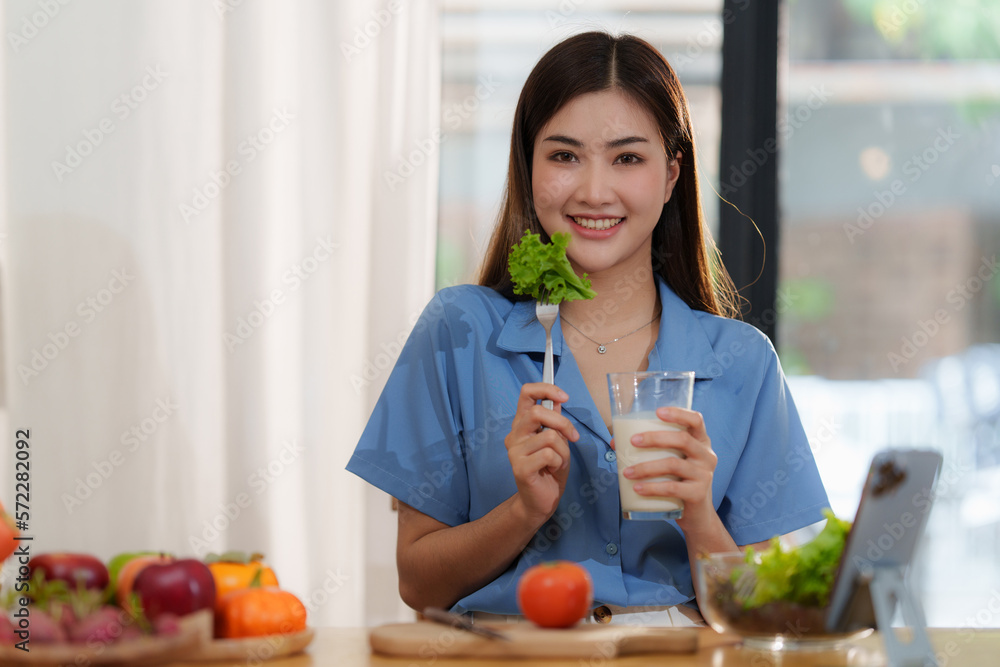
[599, 172]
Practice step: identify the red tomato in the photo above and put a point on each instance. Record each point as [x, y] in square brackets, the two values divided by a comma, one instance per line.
[556, 594]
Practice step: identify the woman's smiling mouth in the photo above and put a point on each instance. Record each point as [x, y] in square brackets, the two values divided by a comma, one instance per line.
[596, 223]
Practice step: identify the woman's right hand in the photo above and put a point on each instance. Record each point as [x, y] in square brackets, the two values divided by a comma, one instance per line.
[539, 456]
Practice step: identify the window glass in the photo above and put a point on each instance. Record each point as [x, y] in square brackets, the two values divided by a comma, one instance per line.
[889, 298]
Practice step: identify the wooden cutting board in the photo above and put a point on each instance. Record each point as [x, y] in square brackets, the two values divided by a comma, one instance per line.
[432, 640]
[253, 650]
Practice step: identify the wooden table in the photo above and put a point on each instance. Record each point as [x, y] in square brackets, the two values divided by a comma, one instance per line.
[348, 647]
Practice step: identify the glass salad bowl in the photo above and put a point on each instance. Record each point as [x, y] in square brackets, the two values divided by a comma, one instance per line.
[726, 582]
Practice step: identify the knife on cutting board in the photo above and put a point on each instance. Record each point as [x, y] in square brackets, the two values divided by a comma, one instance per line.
[458, 621]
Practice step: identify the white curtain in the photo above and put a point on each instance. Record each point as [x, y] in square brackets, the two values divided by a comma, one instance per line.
[218, 218]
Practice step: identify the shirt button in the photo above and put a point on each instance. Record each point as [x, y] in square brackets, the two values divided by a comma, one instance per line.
[609, 456]
[612, 548]
[602, 614]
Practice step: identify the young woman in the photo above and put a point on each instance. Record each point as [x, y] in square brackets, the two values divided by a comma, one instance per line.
[489, 481]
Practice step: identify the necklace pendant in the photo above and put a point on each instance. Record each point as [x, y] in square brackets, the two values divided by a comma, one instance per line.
[601, 349]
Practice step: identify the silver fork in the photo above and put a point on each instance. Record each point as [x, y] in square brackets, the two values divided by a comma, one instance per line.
[547, 313]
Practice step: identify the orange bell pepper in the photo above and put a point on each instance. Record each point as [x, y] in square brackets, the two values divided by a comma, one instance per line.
[8, 531]
[233, 572]
[259, 612]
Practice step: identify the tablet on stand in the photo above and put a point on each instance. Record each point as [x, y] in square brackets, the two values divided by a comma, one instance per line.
[890, 521]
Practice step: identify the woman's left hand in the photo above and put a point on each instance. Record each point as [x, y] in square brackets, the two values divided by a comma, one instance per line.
[694, 473]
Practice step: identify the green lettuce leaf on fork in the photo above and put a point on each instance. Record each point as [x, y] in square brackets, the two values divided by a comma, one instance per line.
[538, 269]
[803, 575]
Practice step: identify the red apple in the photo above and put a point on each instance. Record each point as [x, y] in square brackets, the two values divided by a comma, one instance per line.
[74, 569]
[180, 587]
[125, 580]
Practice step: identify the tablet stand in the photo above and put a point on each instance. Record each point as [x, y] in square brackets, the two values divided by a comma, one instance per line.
[886, 585]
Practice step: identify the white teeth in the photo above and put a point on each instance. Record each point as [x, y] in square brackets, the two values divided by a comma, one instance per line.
[602, 223]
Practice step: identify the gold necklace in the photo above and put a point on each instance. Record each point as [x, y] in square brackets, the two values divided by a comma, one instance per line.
[603, 347]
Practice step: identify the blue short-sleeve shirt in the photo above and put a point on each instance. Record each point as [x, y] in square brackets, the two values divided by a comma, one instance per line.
[435, 441]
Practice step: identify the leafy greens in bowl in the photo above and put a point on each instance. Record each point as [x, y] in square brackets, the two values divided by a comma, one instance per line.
[542, 270]
[776, 599]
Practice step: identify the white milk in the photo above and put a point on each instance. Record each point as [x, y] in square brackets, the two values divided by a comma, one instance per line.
[625, 426]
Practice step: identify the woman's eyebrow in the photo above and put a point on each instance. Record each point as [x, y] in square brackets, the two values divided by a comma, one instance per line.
[614, 143]
[563, 139]
[624, 141]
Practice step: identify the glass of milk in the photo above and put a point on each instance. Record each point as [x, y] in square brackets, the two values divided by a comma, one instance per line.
[634, 400]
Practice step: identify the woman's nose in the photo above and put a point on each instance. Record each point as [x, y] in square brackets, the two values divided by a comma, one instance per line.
[595, 188]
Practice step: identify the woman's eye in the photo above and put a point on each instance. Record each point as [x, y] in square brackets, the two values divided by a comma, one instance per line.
[563, 156]
[629, 158]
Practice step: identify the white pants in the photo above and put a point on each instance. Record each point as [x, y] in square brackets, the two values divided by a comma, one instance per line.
[678, 616]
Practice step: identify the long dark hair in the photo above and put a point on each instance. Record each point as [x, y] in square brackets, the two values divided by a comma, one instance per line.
[683, 251]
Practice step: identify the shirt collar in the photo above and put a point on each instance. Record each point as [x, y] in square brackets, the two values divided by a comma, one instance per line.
[682, 345]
